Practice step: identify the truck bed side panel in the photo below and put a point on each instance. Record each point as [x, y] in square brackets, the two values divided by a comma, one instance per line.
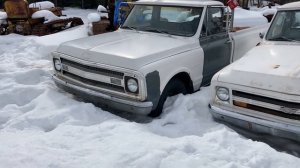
[246, 39]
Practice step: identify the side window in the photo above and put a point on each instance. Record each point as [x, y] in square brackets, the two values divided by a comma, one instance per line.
[213, 23]
[279, 21]
[296, 21]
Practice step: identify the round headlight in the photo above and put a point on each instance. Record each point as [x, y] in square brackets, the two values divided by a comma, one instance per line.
[57, 64]
[132, 85]
[223, 94]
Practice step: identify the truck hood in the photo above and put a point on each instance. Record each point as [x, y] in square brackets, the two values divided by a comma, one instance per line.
[269, 67]
[127, 49]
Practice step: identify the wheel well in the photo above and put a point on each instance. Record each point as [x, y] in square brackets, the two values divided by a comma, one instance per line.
[185, 78]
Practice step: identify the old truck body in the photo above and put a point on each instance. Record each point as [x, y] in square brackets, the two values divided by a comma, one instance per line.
[261, 91]
[163, 48]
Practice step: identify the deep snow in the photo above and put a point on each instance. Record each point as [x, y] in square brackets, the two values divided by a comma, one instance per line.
[42, 126]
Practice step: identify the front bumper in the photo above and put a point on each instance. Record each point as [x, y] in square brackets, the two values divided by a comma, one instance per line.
[105, 100]
[258, 125]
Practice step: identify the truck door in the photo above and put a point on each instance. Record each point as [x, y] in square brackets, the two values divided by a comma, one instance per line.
[216, 43]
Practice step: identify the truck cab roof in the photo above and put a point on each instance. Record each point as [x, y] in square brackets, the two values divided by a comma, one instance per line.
[196, 3]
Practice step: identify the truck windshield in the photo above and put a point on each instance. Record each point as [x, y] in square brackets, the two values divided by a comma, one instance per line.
[181, 21]
[285, 27]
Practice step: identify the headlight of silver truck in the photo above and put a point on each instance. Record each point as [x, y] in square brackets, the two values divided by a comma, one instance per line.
[132, 85]
[57, 64]
[222, 93]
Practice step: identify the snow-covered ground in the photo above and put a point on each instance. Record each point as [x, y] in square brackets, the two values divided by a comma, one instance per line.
[42, 126]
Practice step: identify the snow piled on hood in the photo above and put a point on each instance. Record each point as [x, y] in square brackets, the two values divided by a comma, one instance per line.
[42, 126]
[42, 5]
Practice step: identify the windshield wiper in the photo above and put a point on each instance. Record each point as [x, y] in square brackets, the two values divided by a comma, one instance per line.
[129, 27]
[282, 38]
[157, 31]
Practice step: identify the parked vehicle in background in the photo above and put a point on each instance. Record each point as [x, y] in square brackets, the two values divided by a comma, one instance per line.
[30, 20]
[163, 48]
[261, 91]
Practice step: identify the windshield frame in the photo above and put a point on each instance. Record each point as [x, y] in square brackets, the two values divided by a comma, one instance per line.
[272, 38]
[164, 31]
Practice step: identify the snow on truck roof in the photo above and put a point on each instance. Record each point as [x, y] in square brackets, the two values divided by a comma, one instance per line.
[293, 5]
[181, 2]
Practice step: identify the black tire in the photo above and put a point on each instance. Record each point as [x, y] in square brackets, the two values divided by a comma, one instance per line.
[174, 87]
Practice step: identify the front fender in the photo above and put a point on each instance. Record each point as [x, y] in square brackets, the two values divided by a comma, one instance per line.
[162, 71]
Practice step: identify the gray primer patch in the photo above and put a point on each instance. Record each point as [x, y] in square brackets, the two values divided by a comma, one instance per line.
[153, 87]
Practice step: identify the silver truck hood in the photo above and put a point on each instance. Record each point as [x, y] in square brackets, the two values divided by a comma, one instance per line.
[269, 67]
[127, 49]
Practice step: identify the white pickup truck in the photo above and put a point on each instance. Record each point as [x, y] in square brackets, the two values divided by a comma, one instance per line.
[261, 91]
[162, 49]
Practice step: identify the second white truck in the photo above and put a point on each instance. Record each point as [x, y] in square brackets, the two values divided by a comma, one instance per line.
[261, 91]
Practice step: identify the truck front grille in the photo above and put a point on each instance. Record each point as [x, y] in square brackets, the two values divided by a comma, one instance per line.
[95, 83]
[96, 70]
[95, 77]
[267, 105]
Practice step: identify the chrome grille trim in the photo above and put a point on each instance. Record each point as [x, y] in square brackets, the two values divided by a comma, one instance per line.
[96, 70]
[261, 104]
[89, 75]
[267, 105]
[95, 83]
[265, 99]
[104, 70]
[92, 76]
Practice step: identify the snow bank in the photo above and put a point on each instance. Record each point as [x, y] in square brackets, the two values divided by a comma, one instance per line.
[48, 15]
[53, 40]
[76, 12]
[94, 17]
[42, 5]
[246, 18]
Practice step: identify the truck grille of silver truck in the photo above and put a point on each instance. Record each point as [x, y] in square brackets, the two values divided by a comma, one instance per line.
[108, 74]
[267, 105]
